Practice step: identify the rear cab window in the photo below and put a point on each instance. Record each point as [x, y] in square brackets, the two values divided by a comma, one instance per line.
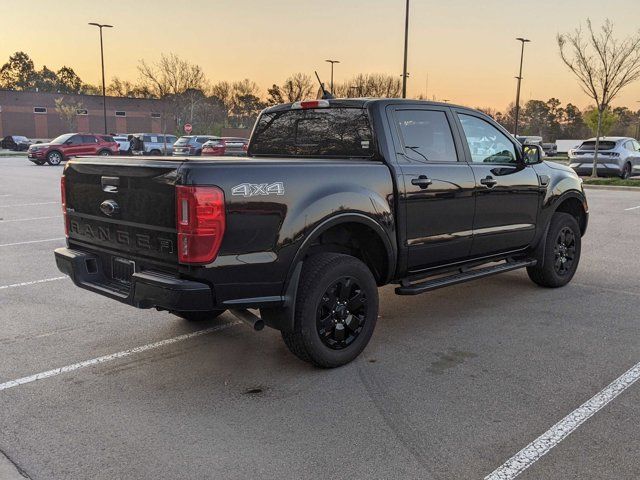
[336, 132]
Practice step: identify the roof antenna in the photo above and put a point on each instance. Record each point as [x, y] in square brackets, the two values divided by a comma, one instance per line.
[326, 95]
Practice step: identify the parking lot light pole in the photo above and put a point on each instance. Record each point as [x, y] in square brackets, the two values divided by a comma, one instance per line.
[332, 62]
[519, 77]
[406, 45]
[104, 94]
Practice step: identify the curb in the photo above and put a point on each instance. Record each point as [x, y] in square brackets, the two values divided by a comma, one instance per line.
[611, 187]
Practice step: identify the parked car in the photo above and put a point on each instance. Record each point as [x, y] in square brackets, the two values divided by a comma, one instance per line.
[152, 143]
[71, 145]
[191, 145]
[550, 149]
[17, 143]
[617, 156]
[215, 147]
[236, 146]
[336, 198]
[124, 144]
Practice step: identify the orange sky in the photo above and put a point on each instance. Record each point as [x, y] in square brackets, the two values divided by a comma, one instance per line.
[465, 47]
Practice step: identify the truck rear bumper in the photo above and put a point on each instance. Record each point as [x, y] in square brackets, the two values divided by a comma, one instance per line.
[147, 289]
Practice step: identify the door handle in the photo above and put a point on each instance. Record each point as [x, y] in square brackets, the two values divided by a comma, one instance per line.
[489, 181]
[422, 181]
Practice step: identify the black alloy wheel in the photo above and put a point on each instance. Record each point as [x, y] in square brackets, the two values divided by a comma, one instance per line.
[341, 313]
[564, 251]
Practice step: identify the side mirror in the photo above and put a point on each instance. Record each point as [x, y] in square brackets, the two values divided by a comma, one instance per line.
[532, 154]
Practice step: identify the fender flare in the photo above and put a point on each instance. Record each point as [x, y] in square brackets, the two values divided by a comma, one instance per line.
[283, 318]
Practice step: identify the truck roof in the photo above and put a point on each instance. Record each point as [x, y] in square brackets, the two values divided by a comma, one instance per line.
[365, 102]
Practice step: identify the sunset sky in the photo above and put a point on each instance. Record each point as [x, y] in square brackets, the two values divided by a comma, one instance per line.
[466, 48]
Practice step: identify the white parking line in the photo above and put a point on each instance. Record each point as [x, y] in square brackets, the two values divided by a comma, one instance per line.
[27, 219]
[552, 437]
[31, 241]
[24, 284]
[5, 195]
[632, 208]
[113, 356]
[29, 204]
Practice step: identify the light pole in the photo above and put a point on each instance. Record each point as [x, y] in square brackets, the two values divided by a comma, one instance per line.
[519, 77]
[406, 45]
[332, 62]
[104, 95]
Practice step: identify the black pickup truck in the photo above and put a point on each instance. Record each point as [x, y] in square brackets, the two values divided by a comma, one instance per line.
[336, 198]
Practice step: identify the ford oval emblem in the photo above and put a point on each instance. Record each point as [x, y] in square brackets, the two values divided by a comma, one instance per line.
[110, 208]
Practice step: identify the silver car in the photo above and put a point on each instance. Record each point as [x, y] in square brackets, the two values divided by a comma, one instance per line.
[617, 156]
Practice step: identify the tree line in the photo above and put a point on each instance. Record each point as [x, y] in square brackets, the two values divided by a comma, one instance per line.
[551, 121]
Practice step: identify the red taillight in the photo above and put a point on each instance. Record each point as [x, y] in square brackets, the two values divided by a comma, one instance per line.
[200, 223]
[63, 197]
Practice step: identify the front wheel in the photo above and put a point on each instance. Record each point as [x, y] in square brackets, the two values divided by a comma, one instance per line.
[336, 310]
[54, 158]
[559, 261]
[105, 153]
[199, 316]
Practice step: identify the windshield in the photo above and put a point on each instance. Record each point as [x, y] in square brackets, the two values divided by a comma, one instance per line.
[62, 138]
[591, 145]
[330, 132]
[183, 140]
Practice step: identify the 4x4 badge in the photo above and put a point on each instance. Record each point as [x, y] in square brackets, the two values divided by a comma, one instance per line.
[253, 189]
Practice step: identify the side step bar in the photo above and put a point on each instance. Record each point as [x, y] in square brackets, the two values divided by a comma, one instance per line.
[463, 276]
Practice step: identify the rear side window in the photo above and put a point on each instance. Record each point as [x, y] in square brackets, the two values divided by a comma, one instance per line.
[426, 135]
[108, 139]
[89, 139]
[331, 132]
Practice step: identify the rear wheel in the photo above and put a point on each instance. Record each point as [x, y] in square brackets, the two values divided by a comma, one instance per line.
[54, 158]
[336, 310]
[559, 261]
[626, 171]
[199, 316]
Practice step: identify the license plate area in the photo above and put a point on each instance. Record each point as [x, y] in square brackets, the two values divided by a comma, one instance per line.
[122, 269]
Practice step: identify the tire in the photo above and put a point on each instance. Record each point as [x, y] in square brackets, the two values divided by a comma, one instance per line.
[40, 162]
[626, 171]
[340, 290]
[558, 262]
[155, 152]
[199, 316]
[54, 158]
[105, 153]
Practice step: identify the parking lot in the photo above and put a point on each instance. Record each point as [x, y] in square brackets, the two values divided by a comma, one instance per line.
[453, 384]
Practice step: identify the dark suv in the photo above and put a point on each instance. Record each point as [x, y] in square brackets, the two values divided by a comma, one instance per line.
[71, 145]
[191, 145]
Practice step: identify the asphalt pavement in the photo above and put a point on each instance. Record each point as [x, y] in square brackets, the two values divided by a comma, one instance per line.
[453, 384]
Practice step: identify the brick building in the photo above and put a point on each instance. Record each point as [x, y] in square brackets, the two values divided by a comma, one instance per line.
[34, 115]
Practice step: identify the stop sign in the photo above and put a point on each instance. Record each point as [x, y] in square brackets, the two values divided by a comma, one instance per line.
[187, 128]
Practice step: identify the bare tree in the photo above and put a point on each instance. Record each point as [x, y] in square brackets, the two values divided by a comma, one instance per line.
[603, 65]
[298, 86]
[171, 75]
[378, 85]
[68, 112]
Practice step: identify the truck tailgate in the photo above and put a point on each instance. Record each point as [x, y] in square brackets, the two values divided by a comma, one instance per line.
[126, 206]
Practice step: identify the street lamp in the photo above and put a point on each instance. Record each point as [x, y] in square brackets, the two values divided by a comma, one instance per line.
[406, 44]
[104, 95]
[519, 77]
[332, 62]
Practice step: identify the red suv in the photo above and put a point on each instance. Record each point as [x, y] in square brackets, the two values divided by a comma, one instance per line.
[72, 145]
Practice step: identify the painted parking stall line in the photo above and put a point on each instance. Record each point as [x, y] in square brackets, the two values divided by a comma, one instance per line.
[29, 204]
[632, 208]
[32, 241]
[28, 219]
[561, 430]
[113, 356]
[34, 282]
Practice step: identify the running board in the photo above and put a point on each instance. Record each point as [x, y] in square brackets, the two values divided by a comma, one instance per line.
[464, 276]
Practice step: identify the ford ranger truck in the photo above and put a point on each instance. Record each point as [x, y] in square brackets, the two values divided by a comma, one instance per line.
[335, 199]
